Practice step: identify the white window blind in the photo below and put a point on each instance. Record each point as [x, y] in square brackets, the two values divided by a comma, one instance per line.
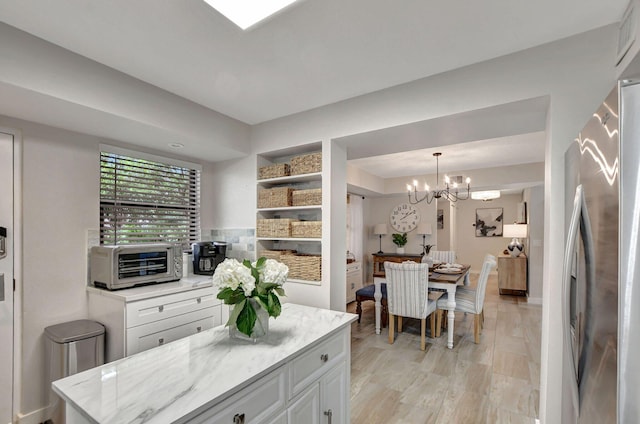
[146, 201]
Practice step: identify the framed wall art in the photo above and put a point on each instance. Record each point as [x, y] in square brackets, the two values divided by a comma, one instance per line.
[489, 222]
[440, 219]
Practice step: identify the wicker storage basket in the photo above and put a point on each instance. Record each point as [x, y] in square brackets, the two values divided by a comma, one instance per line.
[275, 254]
[274, 197]
[306, 164]
[274, 227]
[307, 197]
[304, 267]
[306, 229]
[274, 171]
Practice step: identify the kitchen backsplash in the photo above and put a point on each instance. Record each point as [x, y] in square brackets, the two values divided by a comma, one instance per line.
[240, 241]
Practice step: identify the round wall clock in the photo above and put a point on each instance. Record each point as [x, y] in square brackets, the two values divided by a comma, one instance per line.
[404, 217]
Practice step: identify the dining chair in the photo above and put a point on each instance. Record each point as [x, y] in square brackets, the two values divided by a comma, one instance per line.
[367, 293]
[470, 300]
[446, 256]
[408, 296]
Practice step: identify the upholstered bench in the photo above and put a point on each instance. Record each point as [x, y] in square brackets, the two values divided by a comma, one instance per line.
[366, 293]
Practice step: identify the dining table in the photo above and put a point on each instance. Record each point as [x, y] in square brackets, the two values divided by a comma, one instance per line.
[445, 280]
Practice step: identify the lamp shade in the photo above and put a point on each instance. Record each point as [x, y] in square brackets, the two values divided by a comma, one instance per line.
[515, 230]
[380, 229]
[424, 229]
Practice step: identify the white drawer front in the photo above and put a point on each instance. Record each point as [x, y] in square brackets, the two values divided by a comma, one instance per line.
[310, 365]
[144, 337]
[261, 400]
[163, 307]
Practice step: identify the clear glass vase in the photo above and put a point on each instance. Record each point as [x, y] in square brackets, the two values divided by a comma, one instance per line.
[260, 329]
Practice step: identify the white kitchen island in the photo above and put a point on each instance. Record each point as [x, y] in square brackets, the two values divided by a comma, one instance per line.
[299, 374]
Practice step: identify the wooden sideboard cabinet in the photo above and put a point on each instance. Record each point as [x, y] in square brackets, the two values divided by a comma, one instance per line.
[380, 258]
[512, 274]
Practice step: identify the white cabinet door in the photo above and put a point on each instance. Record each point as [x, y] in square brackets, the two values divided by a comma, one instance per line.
[306, 409]
[334, 395]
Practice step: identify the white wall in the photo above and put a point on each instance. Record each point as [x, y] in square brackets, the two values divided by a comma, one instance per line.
[376, 211]
[535, 250]
[60, 184]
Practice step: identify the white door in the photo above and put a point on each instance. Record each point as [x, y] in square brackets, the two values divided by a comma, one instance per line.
[6, 278]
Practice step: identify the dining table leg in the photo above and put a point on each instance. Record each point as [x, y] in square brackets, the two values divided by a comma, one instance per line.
[451, 307]
[377, 296]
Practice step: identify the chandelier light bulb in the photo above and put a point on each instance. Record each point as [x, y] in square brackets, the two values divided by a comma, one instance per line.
[452, 195]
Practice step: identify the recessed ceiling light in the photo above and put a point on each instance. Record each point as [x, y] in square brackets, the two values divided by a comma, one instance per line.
[246, 13]
[176, 145]
[485, 196]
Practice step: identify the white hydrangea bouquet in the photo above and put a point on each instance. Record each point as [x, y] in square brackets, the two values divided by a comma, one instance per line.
[253, 289]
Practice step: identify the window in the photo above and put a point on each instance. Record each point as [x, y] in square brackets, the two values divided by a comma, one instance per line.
[146, 199]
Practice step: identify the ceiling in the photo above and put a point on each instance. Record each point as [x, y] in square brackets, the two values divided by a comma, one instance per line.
[319, 52]
[312, 54]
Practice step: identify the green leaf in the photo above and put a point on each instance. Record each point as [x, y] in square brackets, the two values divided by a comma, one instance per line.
[231, 297]
[247, 263]
[261, 261]
[246, 319]
[262, 301]
[236, 311]
[280, 291]
[274, 306]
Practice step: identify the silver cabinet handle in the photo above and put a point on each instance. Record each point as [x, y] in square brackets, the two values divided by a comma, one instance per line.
[160, 308]
[324, 357]
[160, 341]
[199, 300]
[198, 329]
[238, 419]
[329, 415]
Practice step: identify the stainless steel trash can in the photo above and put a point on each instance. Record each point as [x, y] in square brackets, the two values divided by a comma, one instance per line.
[71, 347]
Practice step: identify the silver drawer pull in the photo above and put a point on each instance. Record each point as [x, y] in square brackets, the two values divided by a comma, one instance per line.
[329, 415]
[160, 308]
[238, 419]
[324, 357]
[199, 328]
[160, 341]
[199, 300]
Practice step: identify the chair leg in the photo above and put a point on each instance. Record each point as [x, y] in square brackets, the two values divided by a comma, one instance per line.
[399, 324]
[439, 322]
[423, 329]
[432, 321]
[482, 321]
[385, 315]
[476, 328]
[391, 322]
[359, 310]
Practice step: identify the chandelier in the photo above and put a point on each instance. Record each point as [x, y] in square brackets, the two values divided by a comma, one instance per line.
[449, 192]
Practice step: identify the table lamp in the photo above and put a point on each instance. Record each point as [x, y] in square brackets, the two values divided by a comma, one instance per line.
[515, 231]
[380, 230]
[424, 230]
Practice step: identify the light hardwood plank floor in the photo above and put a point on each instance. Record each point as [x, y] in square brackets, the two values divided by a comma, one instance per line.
[495, 381]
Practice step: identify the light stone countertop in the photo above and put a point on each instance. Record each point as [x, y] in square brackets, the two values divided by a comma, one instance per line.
[153, 290]
[182, 379]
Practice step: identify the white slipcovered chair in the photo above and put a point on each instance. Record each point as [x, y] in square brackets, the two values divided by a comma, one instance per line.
[446, 256]
[471, 300]
[408, 296]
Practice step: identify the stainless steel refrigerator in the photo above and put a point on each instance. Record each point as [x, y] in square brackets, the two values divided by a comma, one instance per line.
[601, 284]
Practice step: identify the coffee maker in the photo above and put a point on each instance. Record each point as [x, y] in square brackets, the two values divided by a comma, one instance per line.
[207, 255]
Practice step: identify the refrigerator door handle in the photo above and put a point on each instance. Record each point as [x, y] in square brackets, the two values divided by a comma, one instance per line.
[579, 222]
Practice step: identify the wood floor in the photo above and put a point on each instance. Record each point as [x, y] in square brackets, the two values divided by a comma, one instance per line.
[496, 381]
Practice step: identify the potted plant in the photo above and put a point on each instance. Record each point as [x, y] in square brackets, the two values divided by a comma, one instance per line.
[399, 240]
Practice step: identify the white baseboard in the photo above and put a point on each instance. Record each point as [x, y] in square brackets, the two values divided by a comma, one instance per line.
[38, 416]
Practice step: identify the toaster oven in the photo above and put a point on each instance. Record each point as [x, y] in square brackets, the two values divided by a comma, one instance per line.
[128, 265]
